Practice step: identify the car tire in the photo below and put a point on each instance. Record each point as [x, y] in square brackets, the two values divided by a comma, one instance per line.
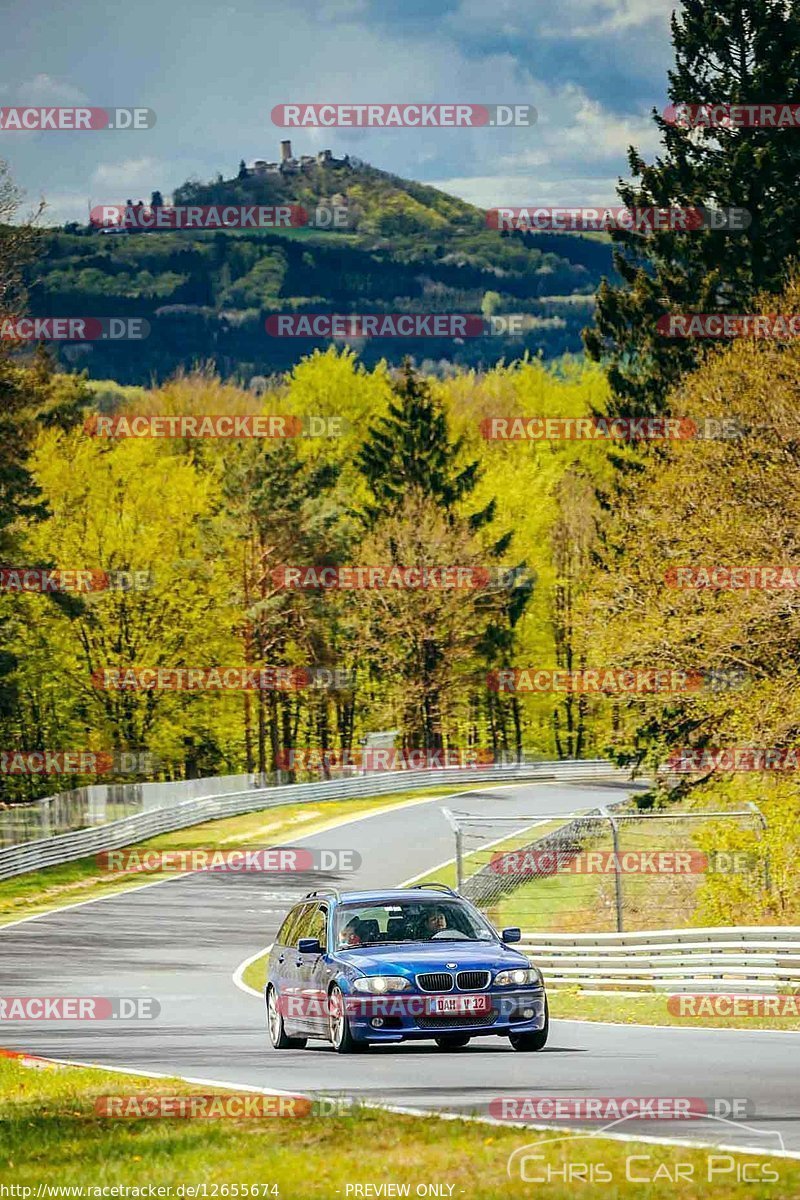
[340, 1034]
[532, 1041]
[277, 1030]
[452, 1041]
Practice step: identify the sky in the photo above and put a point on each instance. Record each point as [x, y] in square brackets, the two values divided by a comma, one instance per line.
[213, 72]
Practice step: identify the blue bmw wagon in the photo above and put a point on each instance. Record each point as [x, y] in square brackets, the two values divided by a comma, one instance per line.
[363, 968]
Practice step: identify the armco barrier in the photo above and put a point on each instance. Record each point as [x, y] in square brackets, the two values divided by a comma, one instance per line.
[750, 959]
[66, 847]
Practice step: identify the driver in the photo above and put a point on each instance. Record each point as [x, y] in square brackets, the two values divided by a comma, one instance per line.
[350, 935]
[434, 922]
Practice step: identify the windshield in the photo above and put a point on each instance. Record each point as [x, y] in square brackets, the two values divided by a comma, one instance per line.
[409, 921]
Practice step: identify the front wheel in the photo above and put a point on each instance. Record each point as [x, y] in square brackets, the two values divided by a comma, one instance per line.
[340, 1032]
[277, 1030]
[532, 1041]
[452, 1041]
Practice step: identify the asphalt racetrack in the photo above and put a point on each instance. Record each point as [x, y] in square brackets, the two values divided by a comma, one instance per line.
[181, 941]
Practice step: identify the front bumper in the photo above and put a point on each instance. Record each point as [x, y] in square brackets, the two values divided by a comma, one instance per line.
[404, 1016]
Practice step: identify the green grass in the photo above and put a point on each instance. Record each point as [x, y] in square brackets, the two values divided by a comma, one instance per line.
[55, 887]
[50, 1134]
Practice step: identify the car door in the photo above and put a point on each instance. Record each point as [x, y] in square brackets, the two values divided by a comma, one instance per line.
[312, 972]
[286, 965]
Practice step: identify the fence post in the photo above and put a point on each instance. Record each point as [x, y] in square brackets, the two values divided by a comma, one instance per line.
[763, 822]
[617, 875]
[456, 828]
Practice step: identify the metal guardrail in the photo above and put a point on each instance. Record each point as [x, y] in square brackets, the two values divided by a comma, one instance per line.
[67, 847]
[745, 959]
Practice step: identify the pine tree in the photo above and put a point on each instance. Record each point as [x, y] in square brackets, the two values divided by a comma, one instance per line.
[410, 450]
[727, 51]
[419, 487]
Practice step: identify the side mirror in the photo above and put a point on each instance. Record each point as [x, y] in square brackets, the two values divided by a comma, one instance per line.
[513, 934]
[309, 946]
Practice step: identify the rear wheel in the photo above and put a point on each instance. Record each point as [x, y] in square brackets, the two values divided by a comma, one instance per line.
[277, 1030]
[452, 1041]
[532, 1041]
[340, 1033]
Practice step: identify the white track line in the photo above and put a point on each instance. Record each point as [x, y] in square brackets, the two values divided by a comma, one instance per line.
[424, 1112]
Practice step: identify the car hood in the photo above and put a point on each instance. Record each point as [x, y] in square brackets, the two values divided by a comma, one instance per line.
[410, 958]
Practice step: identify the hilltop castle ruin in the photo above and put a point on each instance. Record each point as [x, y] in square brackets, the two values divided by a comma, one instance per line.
[289, 165]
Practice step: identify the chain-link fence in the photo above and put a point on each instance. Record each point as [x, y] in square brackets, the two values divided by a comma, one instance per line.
[606, 869]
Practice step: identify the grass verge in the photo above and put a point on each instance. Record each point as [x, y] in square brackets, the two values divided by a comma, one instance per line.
[572, 1004]
[50, 1135]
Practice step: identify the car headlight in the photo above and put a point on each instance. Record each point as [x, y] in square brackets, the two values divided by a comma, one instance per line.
[379, 985]
[519, 976]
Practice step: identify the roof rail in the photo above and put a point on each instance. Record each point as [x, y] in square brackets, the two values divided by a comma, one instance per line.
[323, 891]
[445, 887]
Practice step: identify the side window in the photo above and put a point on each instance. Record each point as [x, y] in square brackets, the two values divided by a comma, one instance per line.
[301, 926]
[287, 929]
[318, 926]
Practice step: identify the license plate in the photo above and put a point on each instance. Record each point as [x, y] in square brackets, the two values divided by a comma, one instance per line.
[443, 1005]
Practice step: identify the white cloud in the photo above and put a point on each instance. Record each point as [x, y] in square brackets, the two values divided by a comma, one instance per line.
[576, 18]
[573, 121]
[130, 175]
[517, 191]
[44, 89]
[619, 16]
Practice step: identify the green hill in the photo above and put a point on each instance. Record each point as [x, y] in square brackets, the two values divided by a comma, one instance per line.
[406, 247]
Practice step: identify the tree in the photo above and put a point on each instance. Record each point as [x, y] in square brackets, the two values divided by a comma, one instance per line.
[242, 169]
[410, 450]
[426, 639]
[712, 503]
[727, 51]
[156, 200]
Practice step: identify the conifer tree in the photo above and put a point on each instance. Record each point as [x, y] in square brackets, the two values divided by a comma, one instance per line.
[737, 52]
